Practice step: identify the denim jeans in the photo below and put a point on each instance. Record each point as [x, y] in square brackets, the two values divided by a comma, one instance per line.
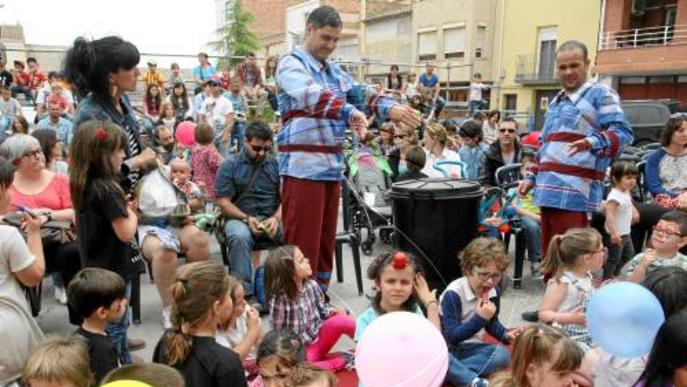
[618, 255]
[532, 230]
[474, 105]
[116, 331]
[237, 134]
[241, 242]
[472, 360]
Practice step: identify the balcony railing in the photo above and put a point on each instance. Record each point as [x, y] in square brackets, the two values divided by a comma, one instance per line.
[644, 37]
[531, 70]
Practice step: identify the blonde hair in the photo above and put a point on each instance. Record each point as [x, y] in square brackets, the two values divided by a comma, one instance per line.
[305, 374]
[438, 132]
[536, 345]
[152, 374]
[481, 251]
[408, 131]
[197, 287]
[60, 359]
[564, 250]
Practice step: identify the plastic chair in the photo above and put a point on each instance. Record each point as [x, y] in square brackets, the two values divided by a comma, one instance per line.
[349, 237]
[651, 146]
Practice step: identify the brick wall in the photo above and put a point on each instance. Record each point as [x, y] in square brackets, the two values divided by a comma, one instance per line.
[671, 58]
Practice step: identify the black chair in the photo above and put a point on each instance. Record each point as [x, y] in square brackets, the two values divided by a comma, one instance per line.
[350, 237]
[651, 146]
[643, 191]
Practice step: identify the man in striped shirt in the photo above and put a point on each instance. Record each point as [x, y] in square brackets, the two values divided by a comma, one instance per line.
[585, 128]
[317, 102]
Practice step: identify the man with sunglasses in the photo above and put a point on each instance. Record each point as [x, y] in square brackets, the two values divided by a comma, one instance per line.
[504, 151]
[247, 186]
[318, 101]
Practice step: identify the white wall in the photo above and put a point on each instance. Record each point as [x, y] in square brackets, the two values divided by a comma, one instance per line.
[295, 22]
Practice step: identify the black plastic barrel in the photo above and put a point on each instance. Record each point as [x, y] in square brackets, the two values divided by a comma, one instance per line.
[436, 218]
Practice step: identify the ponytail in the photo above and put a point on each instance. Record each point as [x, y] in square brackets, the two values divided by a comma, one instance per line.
[564, 250]
[197, 287]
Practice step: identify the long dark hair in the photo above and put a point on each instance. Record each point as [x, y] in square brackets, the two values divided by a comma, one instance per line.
[88, 65]
[279, 273]
[184, 98]
[91, 154]
[156, 101]
[673, 125]
[668, 352]
[47, 138]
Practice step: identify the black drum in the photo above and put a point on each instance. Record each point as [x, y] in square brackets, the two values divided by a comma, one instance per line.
[439, 217]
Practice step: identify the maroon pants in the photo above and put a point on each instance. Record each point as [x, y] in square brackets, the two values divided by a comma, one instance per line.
[555, 221]
[310, 209]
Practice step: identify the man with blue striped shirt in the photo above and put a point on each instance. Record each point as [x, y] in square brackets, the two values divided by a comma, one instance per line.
[317, 102]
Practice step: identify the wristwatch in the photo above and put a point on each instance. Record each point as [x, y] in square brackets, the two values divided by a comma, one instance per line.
[48, 216]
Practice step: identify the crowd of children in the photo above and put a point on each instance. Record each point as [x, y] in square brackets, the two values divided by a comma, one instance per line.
[216, 338]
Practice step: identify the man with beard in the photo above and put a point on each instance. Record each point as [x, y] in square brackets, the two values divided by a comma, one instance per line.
[247, 191]
[168, 146]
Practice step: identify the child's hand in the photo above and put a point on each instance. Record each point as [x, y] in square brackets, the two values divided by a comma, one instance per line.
[485, 309]
[513, 334]
[615, 239]
[577, 316]
[252, 319]
[422, 289]
[648, 258]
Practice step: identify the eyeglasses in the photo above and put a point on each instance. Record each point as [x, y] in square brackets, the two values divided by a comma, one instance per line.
[666, 232]
[504, 130]
[32, 153]
[486, 275]
[258, 148]
[400, 136]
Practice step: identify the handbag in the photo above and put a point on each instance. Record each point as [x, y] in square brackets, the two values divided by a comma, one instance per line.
[54, 231]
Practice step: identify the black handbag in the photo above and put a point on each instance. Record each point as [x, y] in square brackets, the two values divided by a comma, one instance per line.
[54, 231]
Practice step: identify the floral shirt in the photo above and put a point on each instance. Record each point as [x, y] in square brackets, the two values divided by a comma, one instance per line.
[205, 161]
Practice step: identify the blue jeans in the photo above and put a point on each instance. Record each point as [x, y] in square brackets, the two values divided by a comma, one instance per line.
[472, 360]
[237, 134]
[532, 230]
[474, 105]
[116, 331]
[241, 242]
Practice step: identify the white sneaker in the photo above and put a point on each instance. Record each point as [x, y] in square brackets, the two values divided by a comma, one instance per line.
[61, 295]
[167, 317]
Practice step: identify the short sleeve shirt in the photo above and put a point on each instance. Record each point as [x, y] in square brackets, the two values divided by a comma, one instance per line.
[428, 81]
[204, 74]
[368, 316]
[216, 110]
[55, 196]
[623, 215]
[233, 178]
[6, 78]
[678, 260]
[14, 257]
[102, 354]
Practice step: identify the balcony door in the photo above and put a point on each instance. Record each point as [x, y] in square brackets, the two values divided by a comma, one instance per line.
[546, 56]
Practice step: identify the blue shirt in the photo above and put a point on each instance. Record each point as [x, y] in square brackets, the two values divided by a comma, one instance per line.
[237, 101]
[368, 316]
[204, 74]
[575, 182]
[475, 158]
[63, 128]
[429, 82]
[315, 101]
[234, 175]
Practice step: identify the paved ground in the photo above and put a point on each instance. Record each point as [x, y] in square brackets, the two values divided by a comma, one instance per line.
[53, 317]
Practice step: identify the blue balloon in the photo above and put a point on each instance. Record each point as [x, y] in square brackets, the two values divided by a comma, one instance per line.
[623, 319]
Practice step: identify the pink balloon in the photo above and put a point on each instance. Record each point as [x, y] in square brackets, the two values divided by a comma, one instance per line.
[401, 349]
[185, 134]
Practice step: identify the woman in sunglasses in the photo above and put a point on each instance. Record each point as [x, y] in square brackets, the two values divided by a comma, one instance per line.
[405, 138]
[386, 138]
[505, 151]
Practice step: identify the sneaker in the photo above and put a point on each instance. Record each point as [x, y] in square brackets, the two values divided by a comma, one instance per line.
[167, 317]
[536, 272]
[135, 344]
[530, 316]
[61, 295]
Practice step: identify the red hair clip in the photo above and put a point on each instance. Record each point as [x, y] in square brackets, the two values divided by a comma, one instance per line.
[399, 261]
[100, 134]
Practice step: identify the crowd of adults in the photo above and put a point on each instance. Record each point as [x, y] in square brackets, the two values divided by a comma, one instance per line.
[204, 145]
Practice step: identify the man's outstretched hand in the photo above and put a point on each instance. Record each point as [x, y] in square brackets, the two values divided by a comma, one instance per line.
[405, 115]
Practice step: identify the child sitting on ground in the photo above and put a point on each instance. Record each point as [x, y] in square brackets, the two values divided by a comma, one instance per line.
[469, 308]
[97, 295]
[241, 330]
[278, 353]
[571, 258]
[58, 361]
[205, 160]
[619, 217]
[400, 285]
[297, 303]
[668, 238]
[416, 158]
[201, 297]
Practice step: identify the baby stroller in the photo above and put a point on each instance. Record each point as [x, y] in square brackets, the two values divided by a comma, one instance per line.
[368, 178]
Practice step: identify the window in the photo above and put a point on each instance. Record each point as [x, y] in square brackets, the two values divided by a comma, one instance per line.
[427, 45]
[510, 102]
[454, 42]
[632, 80]
[546, 57]
[480, 41]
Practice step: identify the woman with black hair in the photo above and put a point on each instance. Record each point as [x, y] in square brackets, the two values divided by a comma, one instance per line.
[394, 81]
[103, 71]
[183, 106]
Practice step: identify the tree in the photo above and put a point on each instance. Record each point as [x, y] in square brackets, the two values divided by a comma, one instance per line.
[235, 38]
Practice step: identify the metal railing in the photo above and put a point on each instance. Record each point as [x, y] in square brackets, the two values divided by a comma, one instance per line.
[530, 70]
[644, 37]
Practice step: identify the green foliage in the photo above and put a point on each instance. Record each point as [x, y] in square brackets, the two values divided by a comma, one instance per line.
[235, 38]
